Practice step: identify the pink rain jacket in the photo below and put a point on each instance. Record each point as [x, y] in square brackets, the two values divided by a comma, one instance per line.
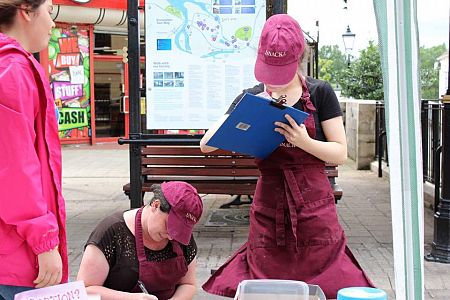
[32, 211]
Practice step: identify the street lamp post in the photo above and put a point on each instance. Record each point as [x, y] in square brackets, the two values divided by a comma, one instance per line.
[440, 248]
[349, 39]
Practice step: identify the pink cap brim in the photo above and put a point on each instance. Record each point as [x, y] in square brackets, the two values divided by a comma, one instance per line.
[273, 74]
[178, 230]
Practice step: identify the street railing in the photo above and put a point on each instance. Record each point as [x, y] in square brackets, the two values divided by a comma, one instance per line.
[431, 124]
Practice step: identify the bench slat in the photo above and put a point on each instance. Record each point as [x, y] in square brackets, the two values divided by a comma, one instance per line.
[184, 150]
[202, 171]
[225, 188]
[219, 187]
[199, 161]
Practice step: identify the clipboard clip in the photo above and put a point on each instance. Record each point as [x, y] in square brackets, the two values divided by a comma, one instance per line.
[279, 102]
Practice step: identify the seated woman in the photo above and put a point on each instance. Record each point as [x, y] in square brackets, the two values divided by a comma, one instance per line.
[146, 253]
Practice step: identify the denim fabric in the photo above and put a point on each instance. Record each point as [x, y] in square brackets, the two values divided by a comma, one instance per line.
[7, 292]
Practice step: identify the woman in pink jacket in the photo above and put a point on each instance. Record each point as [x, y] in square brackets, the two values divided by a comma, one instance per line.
[33, 250]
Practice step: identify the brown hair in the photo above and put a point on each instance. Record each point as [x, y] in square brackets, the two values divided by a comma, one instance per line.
[8, 9]
[159, 195]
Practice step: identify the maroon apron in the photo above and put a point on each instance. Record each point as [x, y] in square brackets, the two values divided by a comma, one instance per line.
[294, 230]
[160, 278]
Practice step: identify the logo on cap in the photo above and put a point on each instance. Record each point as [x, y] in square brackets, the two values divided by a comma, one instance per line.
[275, 53]
[191, 217]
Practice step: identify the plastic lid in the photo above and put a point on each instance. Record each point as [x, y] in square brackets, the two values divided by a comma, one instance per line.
[361, 293]
[267, 288]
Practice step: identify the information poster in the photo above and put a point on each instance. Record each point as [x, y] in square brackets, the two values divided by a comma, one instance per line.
[200, 55]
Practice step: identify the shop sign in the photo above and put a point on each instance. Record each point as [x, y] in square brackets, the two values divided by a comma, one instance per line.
[81, 1]
[69, 70]
[66, 90]
[65, 60]
[72, 117]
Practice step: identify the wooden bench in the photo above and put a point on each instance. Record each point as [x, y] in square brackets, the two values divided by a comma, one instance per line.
[218, 172]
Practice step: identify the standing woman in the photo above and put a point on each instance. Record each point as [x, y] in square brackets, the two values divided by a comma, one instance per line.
[294, 229]
[32, 213]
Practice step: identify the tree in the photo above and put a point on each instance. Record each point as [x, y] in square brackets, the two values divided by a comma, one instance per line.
[429, 74]
[332, 63]
[363, 78]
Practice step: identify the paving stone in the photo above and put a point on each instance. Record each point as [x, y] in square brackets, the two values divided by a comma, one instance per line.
[434, 282]
[437, 294]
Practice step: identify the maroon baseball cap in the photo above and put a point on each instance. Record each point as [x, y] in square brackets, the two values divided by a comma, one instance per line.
[280, 47]
[186, 210]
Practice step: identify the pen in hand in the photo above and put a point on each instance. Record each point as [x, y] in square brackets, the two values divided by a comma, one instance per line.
[142, 287]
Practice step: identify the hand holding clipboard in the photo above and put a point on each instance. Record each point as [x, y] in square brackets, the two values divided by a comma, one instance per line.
[249, 129]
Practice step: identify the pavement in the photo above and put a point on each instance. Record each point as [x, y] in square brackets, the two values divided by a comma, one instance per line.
[93, 177]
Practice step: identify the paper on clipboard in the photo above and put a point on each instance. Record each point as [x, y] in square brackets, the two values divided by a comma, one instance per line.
[249, 129]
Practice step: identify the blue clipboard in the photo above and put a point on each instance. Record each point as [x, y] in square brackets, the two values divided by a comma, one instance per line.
[249, 129]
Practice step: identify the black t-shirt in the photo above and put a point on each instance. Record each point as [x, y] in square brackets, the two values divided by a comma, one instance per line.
[322, 96]
[117, 243]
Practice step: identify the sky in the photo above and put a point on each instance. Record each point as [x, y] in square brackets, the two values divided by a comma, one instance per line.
[432, 16]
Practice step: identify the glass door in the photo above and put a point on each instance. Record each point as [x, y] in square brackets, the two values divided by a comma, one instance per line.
[110, 97]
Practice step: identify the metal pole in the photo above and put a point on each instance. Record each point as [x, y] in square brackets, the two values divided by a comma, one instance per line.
[316, 55]
[135, 107]
[437, 177]
[377, 127]
[436, 121]
[440, 248]
[381, 137]
[316, 60]
[424, 124]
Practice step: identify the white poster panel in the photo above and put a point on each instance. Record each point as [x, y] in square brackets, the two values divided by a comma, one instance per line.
[199, 56]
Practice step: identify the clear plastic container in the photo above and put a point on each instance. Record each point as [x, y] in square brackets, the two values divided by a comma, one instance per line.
[272, 289]
[316, 293]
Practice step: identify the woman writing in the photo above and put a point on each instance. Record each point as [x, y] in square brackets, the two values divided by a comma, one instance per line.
[294, 230]
[33, 251]
[147, 253]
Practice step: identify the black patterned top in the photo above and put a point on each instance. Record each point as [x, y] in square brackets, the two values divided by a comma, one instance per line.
[117, 243]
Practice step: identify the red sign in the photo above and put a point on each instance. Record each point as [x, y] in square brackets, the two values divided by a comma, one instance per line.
[112, 4]
[65, 60]
[69, 44]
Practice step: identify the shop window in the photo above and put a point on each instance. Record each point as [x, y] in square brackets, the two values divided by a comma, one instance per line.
[109, 44]
[102, 42]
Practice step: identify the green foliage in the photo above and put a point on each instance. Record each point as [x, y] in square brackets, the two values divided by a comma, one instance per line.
[331, 64]
[429, 75]
[363, 78]
[326, 68]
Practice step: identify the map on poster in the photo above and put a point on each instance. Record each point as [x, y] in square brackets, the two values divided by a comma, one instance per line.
[199, 56]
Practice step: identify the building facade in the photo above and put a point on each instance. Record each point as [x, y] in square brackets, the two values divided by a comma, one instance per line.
[88, 69]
